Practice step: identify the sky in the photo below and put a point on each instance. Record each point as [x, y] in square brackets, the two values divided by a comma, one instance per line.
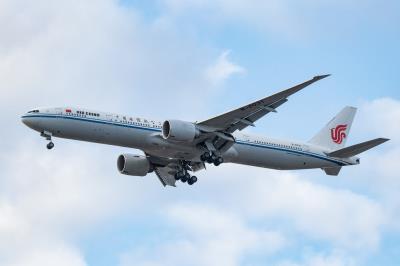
[191, 60]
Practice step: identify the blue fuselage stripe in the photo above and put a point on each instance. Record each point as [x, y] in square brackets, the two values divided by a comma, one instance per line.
[100, 121]
[314, 155]
[94, 120]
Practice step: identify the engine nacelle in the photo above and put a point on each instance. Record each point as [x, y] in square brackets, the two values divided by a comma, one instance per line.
[179, 130]
[130, 164]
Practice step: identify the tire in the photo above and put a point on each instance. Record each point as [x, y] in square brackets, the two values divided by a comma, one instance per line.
[50, 145]
[193, 180]
[177, 176]
[206, 156]
[185, 177]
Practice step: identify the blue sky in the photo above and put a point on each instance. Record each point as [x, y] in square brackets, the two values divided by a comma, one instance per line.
[191, 60]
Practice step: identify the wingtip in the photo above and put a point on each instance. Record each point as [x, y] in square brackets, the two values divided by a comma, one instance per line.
[321, 77]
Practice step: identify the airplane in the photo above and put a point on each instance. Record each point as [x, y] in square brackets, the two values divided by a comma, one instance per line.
[173, 149]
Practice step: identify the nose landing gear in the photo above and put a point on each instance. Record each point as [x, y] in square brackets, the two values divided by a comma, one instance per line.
[50, 145]
[48, 135]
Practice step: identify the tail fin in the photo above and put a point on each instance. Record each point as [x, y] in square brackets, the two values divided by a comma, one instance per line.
[334, 134]
[357, 149]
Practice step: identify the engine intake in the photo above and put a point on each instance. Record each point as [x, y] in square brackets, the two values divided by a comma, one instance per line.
[136, 165]
[179, 130]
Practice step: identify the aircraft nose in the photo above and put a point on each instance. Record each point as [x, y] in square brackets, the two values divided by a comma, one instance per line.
[29, 121]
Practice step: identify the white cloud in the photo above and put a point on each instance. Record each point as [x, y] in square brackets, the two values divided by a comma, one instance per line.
[212, 236]
[48, 200]
[85, 53]
[222, 69]
[335, 258]
[49, 255]
[285, 18]
[90, 53]
[338, 216]
[379, 172]
[272, 15]
[379, 117]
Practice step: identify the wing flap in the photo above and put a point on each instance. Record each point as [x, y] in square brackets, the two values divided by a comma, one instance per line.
[166, 176]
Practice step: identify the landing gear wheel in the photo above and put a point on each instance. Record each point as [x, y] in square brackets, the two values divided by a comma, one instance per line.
[185, 178]
[218, 161]
[50, 145]
[177, 176]
[192, 180]
[205, 156]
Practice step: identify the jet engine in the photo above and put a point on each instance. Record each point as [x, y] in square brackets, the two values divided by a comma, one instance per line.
[179, 130]
[136, 165]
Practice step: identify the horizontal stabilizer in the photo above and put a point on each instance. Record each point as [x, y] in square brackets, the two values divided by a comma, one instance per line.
[357, 149]
[332, 170]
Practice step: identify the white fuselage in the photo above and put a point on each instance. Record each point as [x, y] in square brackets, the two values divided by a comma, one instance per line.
[145, 134]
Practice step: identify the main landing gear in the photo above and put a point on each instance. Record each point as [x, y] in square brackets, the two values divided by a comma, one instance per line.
[211, 157]
[47, 135]
[183, 174]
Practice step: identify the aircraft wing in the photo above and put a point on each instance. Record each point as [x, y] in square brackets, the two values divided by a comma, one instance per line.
[245, 116]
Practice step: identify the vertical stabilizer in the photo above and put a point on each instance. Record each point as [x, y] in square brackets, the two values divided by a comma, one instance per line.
[335, 133]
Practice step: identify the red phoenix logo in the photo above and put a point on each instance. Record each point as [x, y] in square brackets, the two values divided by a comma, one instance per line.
[338, 133]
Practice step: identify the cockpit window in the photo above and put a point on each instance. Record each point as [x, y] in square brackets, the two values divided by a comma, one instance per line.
[34, 111]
